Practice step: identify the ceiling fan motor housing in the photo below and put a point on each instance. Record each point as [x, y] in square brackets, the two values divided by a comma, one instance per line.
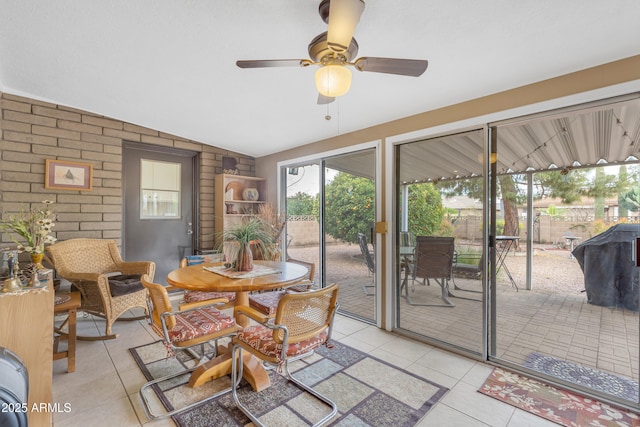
[319, 49]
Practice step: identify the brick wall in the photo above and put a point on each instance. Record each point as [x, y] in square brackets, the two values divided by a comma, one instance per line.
[32, 131]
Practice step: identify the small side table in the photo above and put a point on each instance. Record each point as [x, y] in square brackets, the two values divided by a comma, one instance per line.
[571, 240]
[71, 308]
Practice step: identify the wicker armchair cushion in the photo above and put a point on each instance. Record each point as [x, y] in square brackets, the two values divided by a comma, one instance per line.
[124, 284]
[261, 338]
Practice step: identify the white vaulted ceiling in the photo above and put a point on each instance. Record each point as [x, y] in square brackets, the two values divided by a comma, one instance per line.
[170, 64]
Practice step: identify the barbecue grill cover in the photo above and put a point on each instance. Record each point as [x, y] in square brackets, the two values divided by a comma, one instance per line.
[610, 275]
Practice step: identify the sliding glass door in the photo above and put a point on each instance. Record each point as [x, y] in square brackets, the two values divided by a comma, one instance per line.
[440, 257]
[331, 213]
[349, 238]
[542, 214]
[302, 184]
[567, 301]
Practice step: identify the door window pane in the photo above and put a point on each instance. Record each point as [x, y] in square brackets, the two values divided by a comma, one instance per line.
[160, 189]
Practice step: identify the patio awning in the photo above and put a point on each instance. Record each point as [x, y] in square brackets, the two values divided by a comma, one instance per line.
[607, 134]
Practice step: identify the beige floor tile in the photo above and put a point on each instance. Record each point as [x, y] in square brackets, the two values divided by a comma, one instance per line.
[118, 412]
[443, 415]
[465, 398]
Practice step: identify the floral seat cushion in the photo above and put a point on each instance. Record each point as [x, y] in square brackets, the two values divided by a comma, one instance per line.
[266, 302]
[196, 296]
[196, 323]
[261, 338]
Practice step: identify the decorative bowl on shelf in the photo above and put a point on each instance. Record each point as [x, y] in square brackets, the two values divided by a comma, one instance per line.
[250, 194]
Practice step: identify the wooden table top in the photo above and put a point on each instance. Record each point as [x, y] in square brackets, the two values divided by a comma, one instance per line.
[195, 278]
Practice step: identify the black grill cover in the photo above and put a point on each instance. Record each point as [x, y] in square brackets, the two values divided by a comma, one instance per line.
[610, 275]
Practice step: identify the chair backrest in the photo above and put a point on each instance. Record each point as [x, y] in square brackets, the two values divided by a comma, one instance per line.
[407, 239]
[310, 266]
[364, 248]
[85, 256]
[160, 301]
[434, 257]
[200, 259]
[306, 314]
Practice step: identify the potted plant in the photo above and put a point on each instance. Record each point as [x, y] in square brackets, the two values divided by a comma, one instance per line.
[35, 227]
[237, 241]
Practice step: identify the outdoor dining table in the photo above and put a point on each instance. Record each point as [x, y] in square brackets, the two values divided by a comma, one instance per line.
[213, 277]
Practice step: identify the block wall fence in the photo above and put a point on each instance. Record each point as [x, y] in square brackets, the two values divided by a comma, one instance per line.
[32, 131]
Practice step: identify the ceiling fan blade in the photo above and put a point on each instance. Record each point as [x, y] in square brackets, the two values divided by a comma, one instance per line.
[403, 67]
[268, 63]
[344, 16]
[322, 100]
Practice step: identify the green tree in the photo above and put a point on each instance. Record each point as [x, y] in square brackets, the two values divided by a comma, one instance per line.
[603, 185]
[302, 204]
[349, 207]
[566, 185]
[630, 200]
[425, 209]
[623, 187]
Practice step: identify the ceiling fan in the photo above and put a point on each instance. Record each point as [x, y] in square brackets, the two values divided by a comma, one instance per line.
[334, 49]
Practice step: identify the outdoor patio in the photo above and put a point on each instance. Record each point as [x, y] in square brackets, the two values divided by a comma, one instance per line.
[552, 318]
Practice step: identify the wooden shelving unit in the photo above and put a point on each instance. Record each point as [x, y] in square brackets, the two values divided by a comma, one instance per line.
[231, 205]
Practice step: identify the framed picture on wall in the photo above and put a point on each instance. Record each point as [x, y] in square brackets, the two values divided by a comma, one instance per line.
[66, 175]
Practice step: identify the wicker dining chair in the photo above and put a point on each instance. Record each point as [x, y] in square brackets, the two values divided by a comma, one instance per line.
[267, 302]
[303, 322]
[191, 299]
[109, 286]
[181, 331]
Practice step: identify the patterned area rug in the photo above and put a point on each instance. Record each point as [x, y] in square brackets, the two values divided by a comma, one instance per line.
[595, 379]
[368, 391]
[559, 406]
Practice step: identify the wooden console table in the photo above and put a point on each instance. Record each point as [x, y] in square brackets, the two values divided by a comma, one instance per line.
[26, 328]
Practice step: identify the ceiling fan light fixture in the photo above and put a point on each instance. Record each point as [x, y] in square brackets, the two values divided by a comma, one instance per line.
[344, 16]
[333, 80]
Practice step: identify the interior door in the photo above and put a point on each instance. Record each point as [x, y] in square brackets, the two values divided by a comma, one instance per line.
[158, 206]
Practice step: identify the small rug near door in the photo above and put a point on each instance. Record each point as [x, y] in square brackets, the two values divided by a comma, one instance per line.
[557, 405]
[582, 375]
[368, 391]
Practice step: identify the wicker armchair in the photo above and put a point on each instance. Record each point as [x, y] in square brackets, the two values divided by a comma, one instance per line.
[109, 285]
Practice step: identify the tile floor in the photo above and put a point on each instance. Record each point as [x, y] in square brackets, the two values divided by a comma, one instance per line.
[103, 391]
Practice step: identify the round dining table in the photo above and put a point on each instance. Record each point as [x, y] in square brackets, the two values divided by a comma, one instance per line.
[213, 277]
